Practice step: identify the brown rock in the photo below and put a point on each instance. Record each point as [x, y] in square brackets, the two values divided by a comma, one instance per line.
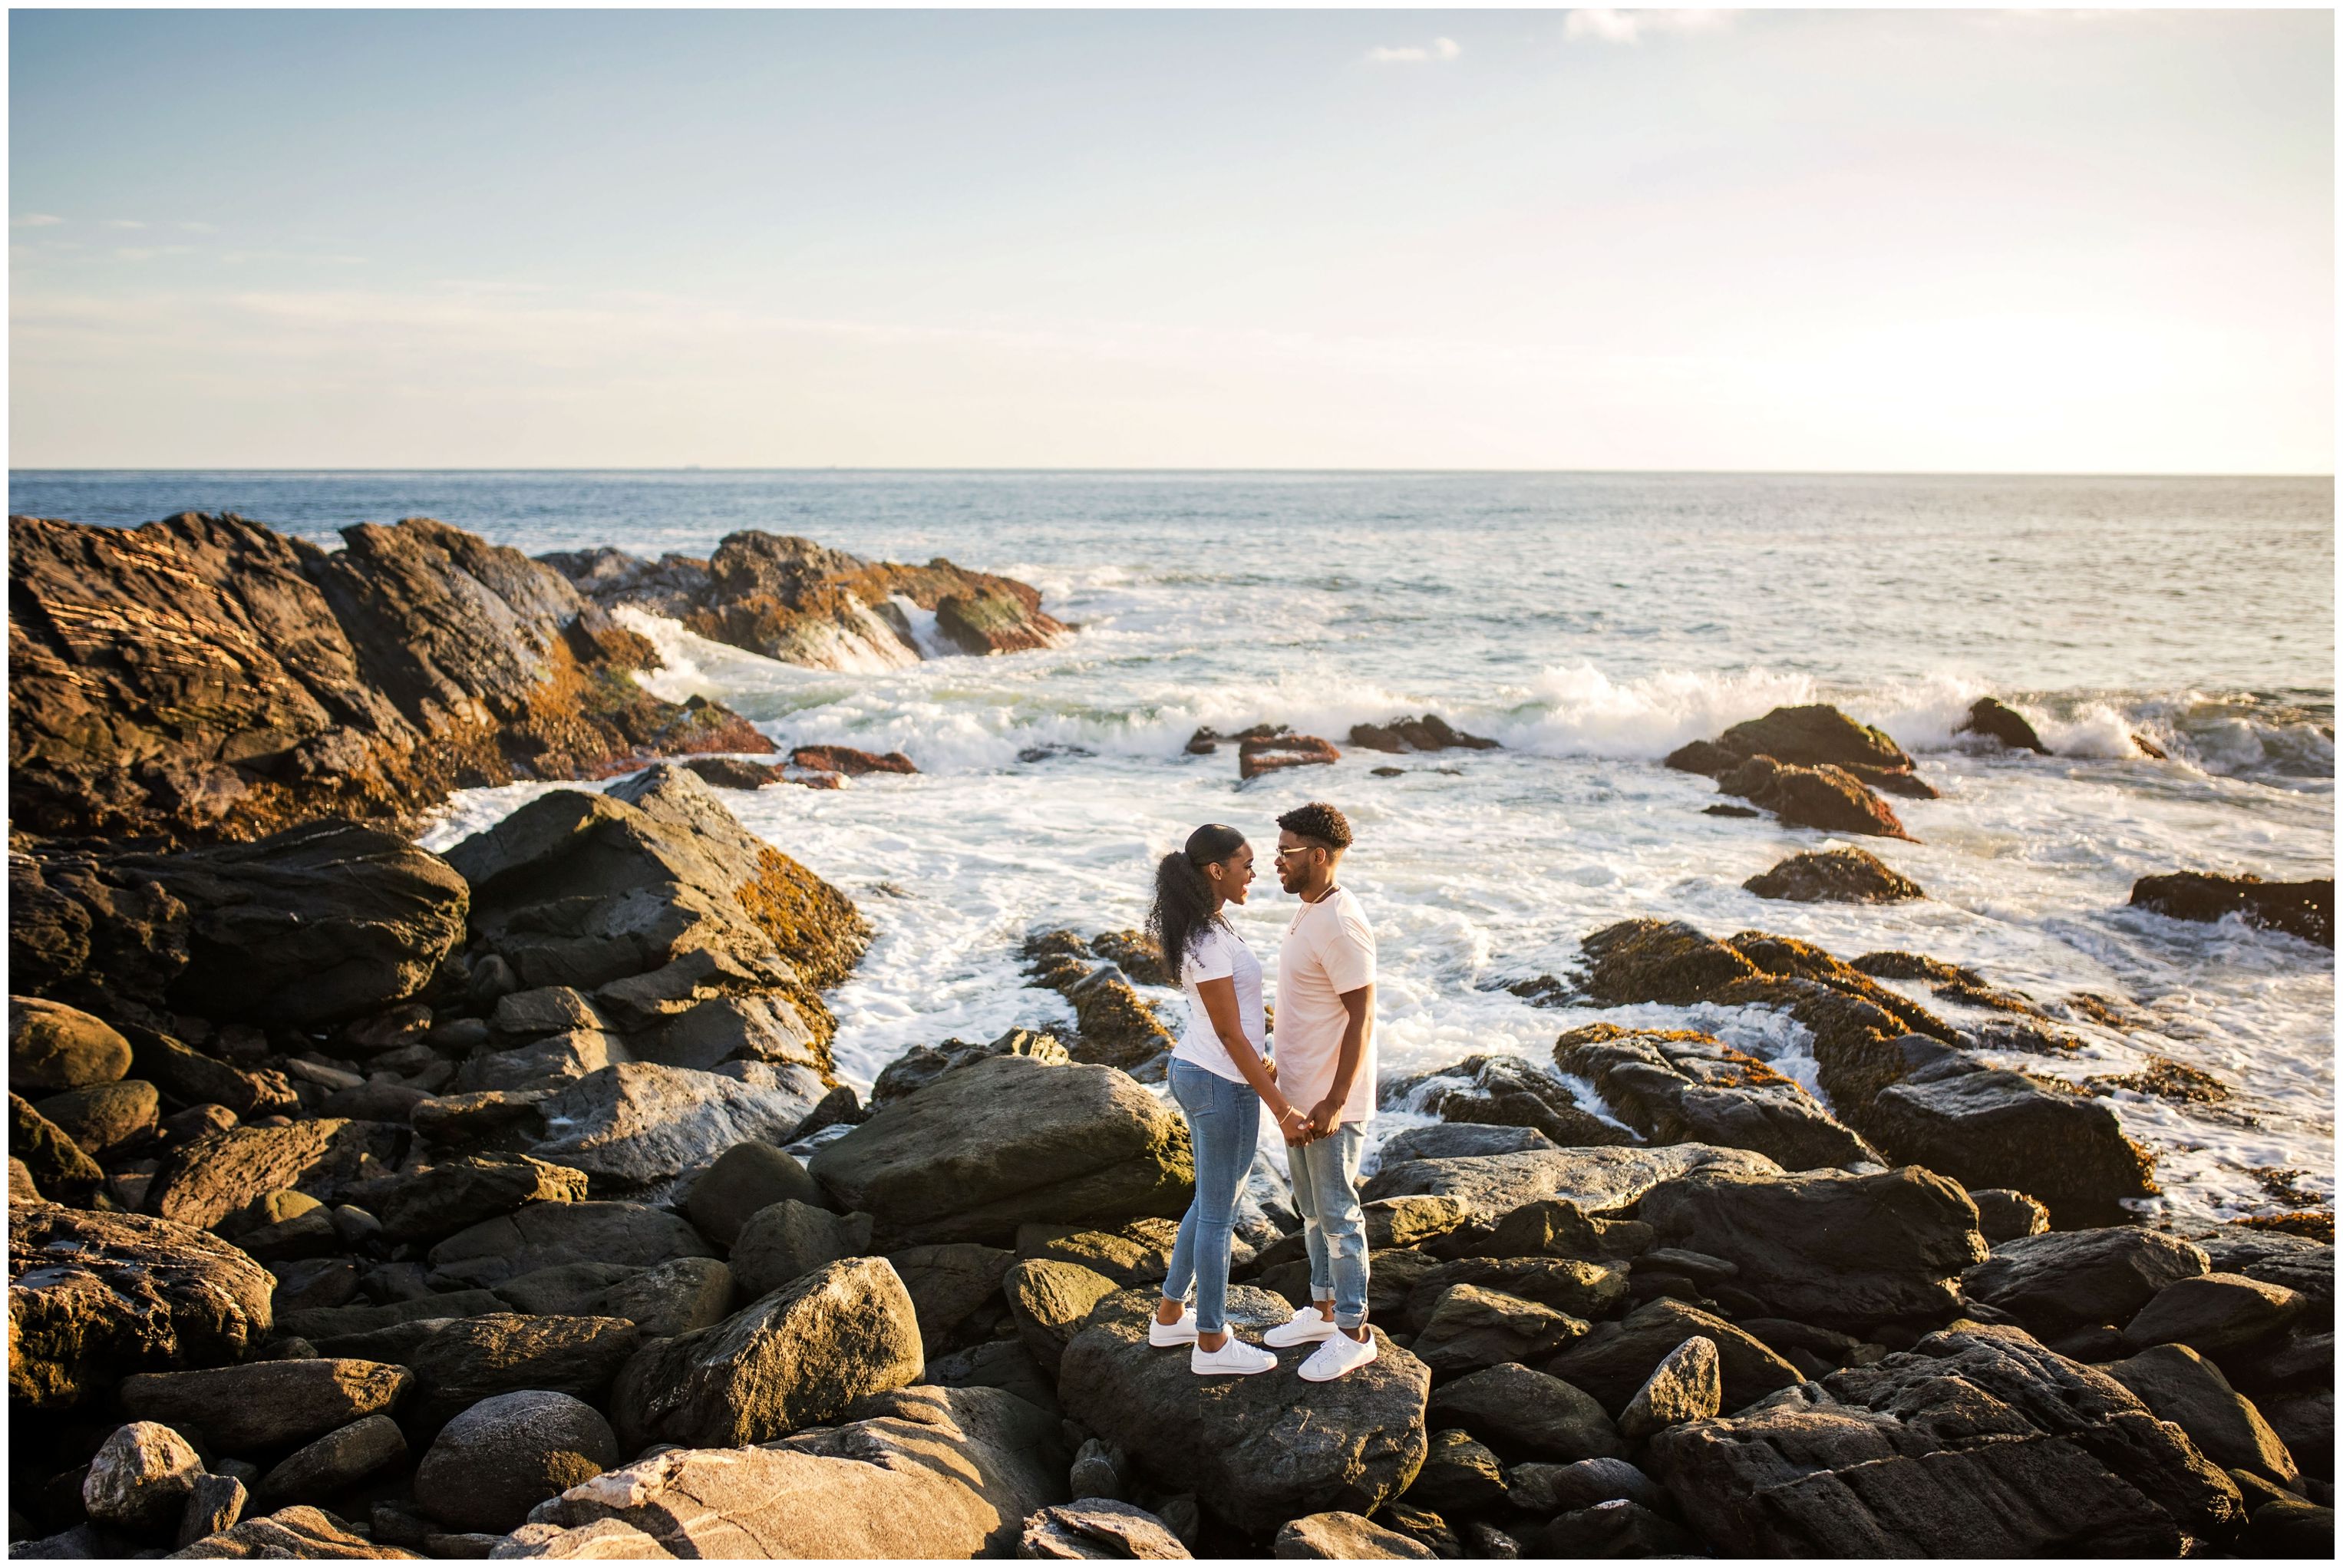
[847, 760]
[266, 1405]
[1429, 733]
[2004, 723]
[2305, 909]
[1834, 877]
[1271, 755]
[1831, 798]
[51, 1046]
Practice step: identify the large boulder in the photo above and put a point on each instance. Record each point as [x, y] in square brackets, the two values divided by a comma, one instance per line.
[743, 1180]
[789, 599]
[1528, 1414]
[1847, 876]
[218, 1181]
[105, 1117]
[923, 1473]
[654, 896]
[543, 1235]
[2188, 1391]
[1098, 1527]
[1595, 1180]
[923, 1064]
[300, 1531]
[312, 925]
[637, 1125]
[364, 683]
[1813, 735]
[1830, 799]
[784, 1239]
[2063, 1280]
[455, 1193]
[469, 1359]
[1009, 1139]
[1255, 1451]
[140, 1478]
[266, 1405]
[795, 1358]
[1678, 1086]
[1997, 720]
[2305, 909]
[1829, 1247]
[94, 1298]
[1501, 1090]
[1618, 1358]
[51, 1046]
[505, 1455]
[1978, 1445]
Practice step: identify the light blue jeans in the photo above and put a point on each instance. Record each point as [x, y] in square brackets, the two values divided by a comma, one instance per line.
[1224, 1126]
[1334, 1227]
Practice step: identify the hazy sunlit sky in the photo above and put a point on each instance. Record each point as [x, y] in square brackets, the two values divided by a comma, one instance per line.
[1764, 240]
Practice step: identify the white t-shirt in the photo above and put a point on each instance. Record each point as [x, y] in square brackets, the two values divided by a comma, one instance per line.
[1219, 953]
[1328, 949]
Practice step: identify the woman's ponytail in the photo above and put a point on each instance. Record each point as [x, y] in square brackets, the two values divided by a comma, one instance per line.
[1183, 894]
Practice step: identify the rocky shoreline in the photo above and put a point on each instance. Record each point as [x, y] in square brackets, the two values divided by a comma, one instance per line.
[370, 1202]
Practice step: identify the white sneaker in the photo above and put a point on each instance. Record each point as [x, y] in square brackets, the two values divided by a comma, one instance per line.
[1305, 1326]
[1234, 1356]
[1341, 1353]
[1183, 1333]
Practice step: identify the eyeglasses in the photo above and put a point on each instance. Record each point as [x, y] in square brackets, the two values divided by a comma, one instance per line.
[1299, 850]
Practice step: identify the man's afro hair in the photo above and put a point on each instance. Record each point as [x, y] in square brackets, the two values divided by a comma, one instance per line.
[1321, 821]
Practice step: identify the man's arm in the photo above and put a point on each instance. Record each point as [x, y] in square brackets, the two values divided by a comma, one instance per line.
[1359, 1007]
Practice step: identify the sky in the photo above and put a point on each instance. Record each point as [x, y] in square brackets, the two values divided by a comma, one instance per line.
[1886, 241]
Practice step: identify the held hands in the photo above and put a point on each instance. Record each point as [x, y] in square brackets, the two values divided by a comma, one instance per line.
[1324, 1117]
[1293, 1126]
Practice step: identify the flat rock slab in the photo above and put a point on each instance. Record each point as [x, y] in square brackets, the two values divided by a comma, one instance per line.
[266, 1405]
[1257, 1450]
[1978, 1445]
[991, 1146]
[473, 1359]
[637, 1124]
[546, 1235]
[301, 1533]
[1093, 1527]
[930, 1472]
[2066, 1278]
[220, 1177]
[93, 1298]
[1596, 1180]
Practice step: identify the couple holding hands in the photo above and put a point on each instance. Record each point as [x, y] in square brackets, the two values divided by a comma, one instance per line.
[1320, 1089]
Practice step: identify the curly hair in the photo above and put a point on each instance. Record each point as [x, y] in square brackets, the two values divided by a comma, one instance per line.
[1321, 821]
[1183, 895]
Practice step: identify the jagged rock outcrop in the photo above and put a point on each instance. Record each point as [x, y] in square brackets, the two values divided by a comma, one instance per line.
[1834, 877]
[204, 676]
[789, 599]
[1679, 1086]
[1997, 721]
[1501, 1091]
[1429, 733]
[1115, 1026]
[2305, 909]
[1893, 1070]
[1814, 736]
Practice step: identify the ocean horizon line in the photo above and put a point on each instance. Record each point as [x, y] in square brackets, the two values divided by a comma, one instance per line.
[2029, 474]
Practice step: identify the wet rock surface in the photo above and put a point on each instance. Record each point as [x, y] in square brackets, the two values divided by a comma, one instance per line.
[2305, 909]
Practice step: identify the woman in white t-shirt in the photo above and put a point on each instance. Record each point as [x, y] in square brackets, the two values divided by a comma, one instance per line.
[1221, 1077]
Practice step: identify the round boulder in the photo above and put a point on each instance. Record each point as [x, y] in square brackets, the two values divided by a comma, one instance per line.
[504, 1456]
[51, 1046]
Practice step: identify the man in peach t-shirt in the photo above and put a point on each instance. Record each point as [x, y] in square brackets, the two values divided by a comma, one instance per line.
[1326, 1061]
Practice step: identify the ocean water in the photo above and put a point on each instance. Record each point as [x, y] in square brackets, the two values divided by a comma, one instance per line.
[1590, 623]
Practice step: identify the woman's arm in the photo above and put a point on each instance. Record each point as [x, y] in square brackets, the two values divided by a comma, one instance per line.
[1220, 1005]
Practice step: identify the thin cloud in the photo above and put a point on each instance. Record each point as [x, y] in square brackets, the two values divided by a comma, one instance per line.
[35, 220]
[124, 223]
[199, 227]
[149, 252]
[1416, 54]
[1610, 26]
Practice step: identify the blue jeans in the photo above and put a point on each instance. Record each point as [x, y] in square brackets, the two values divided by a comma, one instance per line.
[1334, 1227]
[1223, 1126]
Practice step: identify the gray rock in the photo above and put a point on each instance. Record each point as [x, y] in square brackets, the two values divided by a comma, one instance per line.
[2215, 1314]
[720, 1029]
[544, 1234]
[1410, 1221]
[948, 1281]
[298, 1532]
[104, 1117]
[1470, 1327]
[744, 1179]
[266, 1405]
[214, 1503]
[605, 1540]
[1542, 1487]
[140, 1479]
[551, 1064]
[1049, 1302]
[2067, 1278]
[1684, 1387]
[1528, 1412]
[1454, 1139]
[1009, 1139]
[1260, 1450]
[323, 1324]
[1828, 1248]
[473, 1359]
[2185, 1389]
[51, 1046]
[1139, 1254]
[638, 1124]
[923, 1064]
[502, 1457]
[798, 1356]
[1677, 1087]
[2274, 1257]
[1500, 1090]
[1611, 1362]
[1342, 1537]
[218, 1181]
[340, 1459]
[670, 1299]
[59, 1164]
[1885, 1465]
[2003, 1214]
[783, 1240]
[1568, 1285]
[927, 1473]
[1099, 1470]
[1098, 1527]
[1004, 1364]
[1596, 1180]
[93, 1298]
[547, 1009]
[1620, 1528]
[565, 1290]
[1460, 1476]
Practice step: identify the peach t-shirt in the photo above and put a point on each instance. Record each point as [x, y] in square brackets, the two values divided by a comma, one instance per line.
[1328, 949]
